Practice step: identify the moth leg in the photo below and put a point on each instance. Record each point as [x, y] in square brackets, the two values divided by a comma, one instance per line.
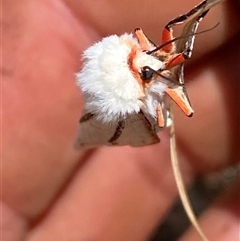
[167, 33]
[180, 98]
[163, 117]
[187, 51]
[160, 117]
[143, 40]
[175, 60]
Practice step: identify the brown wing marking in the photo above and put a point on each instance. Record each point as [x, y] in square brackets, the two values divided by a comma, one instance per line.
[117, 133]
[139, 130]
[86, 117]
[148, 125]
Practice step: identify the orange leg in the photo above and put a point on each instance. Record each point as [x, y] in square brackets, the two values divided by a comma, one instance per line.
[175, 60]
[143, 40]
[180, 97]
[160, 118]
[167, 36]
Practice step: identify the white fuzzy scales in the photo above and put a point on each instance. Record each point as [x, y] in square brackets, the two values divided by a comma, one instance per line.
[109, 87]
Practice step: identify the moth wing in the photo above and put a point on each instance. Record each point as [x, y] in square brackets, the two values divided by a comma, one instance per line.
[93, 133]
[134, 130]
[138, 131]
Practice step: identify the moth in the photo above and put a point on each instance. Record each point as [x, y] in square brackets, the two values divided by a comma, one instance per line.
[124, 81]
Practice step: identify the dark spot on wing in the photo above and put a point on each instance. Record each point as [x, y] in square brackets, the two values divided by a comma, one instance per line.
[148, 125]
[86, 117]
[118, 132]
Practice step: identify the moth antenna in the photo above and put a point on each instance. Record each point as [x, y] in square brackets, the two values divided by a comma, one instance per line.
[179, 180]
[181, 37]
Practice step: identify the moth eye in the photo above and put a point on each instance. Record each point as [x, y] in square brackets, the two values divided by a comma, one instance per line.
[147, 74]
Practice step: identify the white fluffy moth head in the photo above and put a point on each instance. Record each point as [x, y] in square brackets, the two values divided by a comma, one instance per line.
[124, 80]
